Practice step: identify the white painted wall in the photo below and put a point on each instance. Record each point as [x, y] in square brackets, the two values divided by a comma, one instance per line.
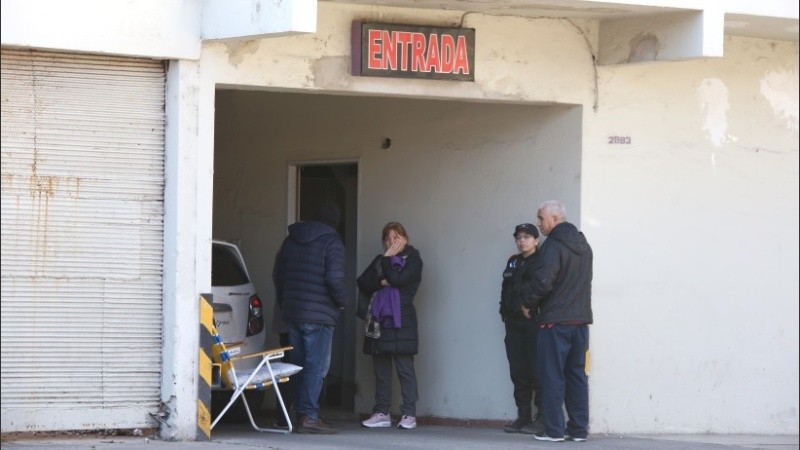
[695, 232]
[322, 61]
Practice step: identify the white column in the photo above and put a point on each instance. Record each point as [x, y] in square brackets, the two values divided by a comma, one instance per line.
[182, 272]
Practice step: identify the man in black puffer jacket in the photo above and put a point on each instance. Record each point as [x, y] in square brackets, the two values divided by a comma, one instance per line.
[560, 285]
[309, 277]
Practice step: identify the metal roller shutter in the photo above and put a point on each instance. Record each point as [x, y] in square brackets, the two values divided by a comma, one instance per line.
[82, 240]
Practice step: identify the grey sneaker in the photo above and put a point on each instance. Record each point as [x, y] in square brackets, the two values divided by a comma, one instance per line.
[542, 436]
[574, 438]
[407, 422]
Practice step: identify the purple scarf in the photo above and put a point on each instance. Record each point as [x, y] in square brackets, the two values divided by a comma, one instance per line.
[386, 304]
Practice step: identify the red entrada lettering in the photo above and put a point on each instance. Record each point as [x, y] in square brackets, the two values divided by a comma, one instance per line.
[418, 52]
[433, 53]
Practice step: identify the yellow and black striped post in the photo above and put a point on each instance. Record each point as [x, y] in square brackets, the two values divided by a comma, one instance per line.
[205, 368]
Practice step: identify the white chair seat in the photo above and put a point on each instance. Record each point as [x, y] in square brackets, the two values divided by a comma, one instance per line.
[280, 369]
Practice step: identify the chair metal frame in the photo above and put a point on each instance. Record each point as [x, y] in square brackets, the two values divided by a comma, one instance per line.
[223, 361]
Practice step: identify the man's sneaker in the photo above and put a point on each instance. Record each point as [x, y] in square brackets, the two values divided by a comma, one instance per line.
[314, 426]
[517, 425]
[574, 438]
[536, 426]
[542, 436]
[407, 422]
[378, 420]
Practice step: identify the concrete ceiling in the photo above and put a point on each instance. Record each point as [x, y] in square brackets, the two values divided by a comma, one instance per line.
[763, 27]
[775, 28]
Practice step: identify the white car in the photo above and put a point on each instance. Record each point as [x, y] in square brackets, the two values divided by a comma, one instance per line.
[238, 311]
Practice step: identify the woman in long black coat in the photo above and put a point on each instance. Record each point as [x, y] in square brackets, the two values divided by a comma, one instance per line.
[400, 268]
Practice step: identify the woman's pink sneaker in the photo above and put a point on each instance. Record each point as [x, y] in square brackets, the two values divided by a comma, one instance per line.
[378, 420]
[407, 422]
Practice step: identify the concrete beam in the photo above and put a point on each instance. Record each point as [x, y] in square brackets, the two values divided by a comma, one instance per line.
[662, 37]
[164, 29]
[238, 19]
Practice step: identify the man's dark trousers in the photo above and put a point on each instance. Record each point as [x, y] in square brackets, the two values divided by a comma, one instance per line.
[312, 351]
[562, 370]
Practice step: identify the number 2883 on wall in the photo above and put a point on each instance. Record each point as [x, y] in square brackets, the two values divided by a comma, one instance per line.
[619, 139]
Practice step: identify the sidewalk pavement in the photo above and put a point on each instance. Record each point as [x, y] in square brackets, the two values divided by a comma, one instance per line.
[240, 436]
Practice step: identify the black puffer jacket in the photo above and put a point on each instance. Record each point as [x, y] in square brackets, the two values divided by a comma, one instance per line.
[395, 341]
[309, 274]
[561, 280]
[513, 290]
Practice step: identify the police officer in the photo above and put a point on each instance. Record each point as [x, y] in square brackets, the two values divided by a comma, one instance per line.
[521, 332]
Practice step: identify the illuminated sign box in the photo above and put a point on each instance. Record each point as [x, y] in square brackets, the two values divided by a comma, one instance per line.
[410, 51]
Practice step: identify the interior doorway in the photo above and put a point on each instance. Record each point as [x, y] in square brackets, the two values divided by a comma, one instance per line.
[315, 184]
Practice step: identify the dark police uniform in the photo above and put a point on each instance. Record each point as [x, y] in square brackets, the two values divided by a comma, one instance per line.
[520, 342]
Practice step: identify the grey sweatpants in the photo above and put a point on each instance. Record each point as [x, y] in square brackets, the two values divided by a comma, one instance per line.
[383, 383]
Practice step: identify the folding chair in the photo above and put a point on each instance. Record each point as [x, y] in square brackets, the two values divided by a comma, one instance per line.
[266, 374]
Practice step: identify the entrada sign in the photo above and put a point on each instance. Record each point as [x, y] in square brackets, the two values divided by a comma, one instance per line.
[409, 51]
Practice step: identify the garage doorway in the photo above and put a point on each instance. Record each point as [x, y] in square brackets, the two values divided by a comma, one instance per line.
[444, 162]
[311, 185]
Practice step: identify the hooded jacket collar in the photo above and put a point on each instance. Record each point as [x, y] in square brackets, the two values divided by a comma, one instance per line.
[308, 231]
[567, 234]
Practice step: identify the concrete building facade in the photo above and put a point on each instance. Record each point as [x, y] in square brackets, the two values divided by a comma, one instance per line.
[669, 130]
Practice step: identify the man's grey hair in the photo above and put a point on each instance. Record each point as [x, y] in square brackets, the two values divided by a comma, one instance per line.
[556, 208]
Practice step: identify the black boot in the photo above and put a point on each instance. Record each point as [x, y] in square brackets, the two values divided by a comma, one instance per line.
[535, 426]
[523, 420]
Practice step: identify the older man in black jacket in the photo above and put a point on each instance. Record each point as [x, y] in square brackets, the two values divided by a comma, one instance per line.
[561, 287]
[309, 277]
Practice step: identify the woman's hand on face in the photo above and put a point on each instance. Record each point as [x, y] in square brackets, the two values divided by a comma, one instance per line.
[396, 246]
[393, 249]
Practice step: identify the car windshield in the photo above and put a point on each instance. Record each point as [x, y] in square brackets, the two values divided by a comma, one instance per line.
[225, 268]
